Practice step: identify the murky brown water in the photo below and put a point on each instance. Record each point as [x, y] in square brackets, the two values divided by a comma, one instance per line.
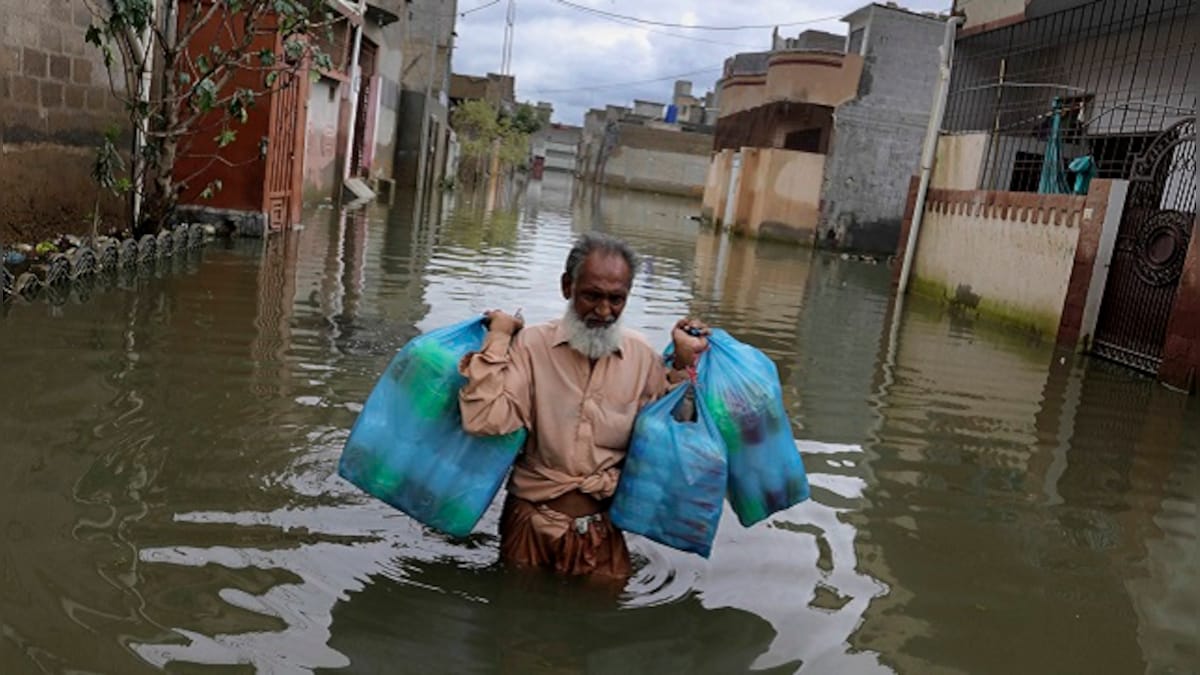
[169, 497]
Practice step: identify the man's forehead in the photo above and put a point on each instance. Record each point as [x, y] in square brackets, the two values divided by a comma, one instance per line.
[605, 262]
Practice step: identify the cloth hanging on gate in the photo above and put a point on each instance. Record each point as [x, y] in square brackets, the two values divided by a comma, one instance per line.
[1054, 179]
[1085, 170]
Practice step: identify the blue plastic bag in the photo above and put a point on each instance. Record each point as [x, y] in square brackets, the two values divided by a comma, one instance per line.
[408, 447]
[740, 387]
[673, 484]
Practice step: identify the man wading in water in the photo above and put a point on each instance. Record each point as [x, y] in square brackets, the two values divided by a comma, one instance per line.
[576, 384]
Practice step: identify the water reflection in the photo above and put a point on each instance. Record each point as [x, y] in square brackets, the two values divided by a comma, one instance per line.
[171, 496]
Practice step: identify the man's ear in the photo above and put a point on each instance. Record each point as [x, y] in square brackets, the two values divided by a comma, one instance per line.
[566, 286]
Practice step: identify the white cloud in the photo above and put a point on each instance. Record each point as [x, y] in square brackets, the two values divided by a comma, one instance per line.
[558, 48]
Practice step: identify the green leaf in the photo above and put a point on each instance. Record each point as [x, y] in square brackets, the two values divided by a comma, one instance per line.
[266, 58]
[205, 96]
[184, 78]
[93, 35]
[211, 189]
[272, 77]
[202, 64]
[226, 137]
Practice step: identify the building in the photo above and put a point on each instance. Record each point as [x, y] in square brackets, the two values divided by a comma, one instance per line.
[824, 131]
[376, 113]
[1045, 95]
[496, 89]
[325, 128]
[426, 142]
[639, 148]
[555, 147]
[689, 109]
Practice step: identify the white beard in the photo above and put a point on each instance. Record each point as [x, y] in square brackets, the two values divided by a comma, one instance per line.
[594, 343]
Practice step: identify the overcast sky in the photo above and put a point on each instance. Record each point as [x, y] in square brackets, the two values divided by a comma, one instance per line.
[568, 56]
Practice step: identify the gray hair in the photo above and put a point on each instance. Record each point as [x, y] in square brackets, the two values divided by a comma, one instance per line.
[592, 242]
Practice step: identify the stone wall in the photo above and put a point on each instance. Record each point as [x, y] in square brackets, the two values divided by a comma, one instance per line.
[55, 105]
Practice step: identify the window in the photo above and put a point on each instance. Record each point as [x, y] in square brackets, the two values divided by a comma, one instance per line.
[804, 140]
[856, 41]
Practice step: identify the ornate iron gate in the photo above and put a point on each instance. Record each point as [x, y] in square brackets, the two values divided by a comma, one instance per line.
[1151, 246]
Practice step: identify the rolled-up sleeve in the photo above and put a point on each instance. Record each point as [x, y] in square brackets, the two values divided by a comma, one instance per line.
[496, 399]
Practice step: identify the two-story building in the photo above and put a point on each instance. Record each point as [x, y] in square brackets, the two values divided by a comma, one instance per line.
[816, 137]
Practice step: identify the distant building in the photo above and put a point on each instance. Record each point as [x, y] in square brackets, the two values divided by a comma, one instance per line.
[496, 89]
[425, 137]
[820, 135]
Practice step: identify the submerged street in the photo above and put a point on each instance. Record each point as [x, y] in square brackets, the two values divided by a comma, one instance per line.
[981, 504]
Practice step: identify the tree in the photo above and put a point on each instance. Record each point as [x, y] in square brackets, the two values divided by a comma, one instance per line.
[482, 132]
[182, 68]
[527, 119]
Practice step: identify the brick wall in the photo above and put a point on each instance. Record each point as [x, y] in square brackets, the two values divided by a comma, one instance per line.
[55, 104]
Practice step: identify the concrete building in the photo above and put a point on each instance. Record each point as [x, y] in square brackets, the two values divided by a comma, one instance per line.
[638, 148]
[693, 110]
[377, 110]
[426, 140]
[496, 89]
[651, 110]
[825, 130]
[559, 145]
[1045, 95]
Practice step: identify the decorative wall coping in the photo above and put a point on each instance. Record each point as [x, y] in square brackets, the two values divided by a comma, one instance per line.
[106, 255]
[1024, 207]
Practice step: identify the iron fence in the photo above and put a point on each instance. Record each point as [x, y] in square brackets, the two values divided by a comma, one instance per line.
[1117, 71]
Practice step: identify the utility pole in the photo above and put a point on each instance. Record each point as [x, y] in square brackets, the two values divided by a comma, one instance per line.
[510, 20]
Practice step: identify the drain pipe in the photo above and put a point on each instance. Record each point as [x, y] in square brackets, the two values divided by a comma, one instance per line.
[928, 151]
[355, 87]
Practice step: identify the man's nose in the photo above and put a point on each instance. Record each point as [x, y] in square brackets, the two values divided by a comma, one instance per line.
[603, 309]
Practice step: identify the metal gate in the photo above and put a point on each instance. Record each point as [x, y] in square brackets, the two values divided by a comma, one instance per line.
[288, 118]
[1151, 247]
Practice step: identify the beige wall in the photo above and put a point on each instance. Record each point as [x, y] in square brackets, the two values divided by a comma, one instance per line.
[1008, 261]
[656, 171]
[741, 93]
[779, 194]
[813, 77]
[805, 76]
[320, 142]
[716, 187]
[959, 161]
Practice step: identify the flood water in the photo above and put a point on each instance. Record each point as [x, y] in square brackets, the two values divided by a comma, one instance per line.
[169, 496]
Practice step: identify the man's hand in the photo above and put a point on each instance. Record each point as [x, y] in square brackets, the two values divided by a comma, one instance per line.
[501, 322]
[691, 339]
